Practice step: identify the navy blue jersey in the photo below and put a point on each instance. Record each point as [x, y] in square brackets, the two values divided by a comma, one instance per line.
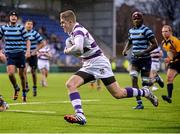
[35, 39]
[139, 38]
[15, 38]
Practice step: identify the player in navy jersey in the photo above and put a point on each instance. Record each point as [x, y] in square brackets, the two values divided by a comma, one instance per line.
[95, 66]
[15, 35]
[37, 43]
[142, 41]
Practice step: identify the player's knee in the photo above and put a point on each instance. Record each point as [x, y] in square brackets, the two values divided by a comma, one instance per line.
[170, 78]
[33, 70]
[70, 86]
[67, 85]
[119, 95]
[33, 73]
[10, 73]
[116, 96]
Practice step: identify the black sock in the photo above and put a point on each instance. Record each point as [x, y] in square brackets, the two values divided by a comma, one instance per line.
[16, 87]
[26, 84]
[138, 100]
[169, 89]
[34, 87]
[24, 92]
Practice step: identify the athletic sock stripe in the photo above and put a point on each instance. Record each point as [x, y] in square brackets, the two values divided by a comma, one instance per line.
[77, 107]
[74, 96]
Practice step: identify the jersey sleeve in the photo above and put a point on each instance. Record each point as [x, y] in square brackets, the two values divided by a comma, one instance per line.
[149, 34]
[25, 34]
[176, 44]
[38, 37]
[129, 35]
[78, 40]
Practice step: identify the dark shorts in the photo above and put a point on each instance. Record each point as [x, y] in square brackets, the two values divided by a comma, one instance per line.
[175, 65]
[17, 59]
[143, 65]
[32, 61]
[89, 77]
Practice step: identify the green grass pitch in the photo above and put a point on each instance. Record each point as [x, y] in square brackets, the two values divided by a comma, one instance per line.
[44, 113]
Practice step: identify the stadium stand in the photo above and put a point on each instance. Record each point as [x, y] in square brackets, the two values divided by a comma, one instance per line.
[53, 29]
[97, 18]
[52, 26]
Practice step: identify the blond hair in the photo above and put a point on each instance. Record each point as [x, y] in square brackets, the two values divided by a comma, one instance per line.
[68, 15]
[168, 27]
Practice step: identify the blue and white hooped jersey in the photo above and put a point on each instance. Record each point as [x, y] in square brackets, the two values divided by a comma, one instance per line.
[139, 38]
[35, 39]
[15, 37]
[90, 47]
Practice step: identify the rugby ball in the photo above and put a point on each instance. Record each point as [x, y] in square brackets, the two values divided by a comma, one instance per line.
[69, 43]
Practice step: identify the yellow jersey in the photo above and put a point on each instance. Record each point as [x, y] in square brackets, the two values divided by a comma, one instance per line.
[172, 44]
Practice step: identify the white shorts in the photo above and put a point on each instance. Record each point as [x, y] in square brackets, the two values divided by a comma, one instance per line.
[99, 67]
[155, 66]
[43, 64]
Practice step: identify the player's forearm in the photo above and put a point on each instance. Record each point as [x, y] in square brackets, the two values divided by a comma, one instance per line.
[28, 45]
[153, 46]
[49, 55]
[41, 45]
[74, 49]
[126, 48]
[77, 47]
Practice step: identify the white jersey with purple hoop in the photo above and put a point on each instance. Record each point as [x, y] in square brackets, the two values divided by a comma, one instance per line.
[84, 40]
[43, 60]
[155, 57]
[94, 61]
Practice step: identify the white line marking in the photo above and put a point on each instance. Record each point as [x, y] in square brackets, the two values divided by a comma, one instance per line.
[31, 111]
[48, 102]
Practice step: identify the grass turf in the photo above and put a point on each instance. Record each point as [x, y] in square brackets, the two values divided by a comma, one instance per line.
[105, 114]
